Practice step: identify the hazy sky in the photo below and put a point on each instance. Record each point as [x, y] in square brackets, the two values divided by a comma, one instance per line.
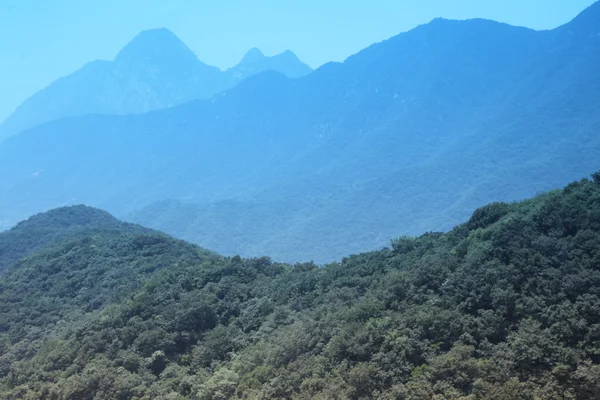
[42, 40]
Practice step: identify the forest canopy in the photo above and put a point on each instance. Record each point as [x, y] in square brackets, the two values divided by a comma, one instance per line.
[504, 306]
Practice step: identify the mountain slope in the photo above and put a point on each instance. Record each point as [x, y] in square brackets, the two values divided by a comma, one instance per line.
[406, 136]
[155, 70]
[62, 266]
[503, 307]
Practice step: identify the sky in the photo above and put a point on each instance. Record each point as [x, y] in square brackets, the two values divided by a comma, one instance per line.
[42, 40]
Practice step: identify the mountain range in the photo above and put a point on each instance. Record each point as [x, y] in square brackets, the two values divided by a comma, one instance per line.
[503, 307]
[155, 70]
[406, 136]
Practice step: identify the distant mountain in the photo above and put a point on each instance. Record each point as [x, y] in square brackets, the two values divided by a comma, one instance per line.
[406, 136]
[503, 307]
[155, 70]
[255, 62]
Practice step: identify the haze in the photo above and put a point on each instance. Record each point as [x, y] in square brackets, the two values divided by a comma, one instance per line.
[196, 204]
[43, 41]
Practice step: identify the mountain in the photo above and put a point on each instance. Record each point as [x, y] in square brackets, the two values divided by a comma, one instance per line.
[54, 226]
[155, 70]
[503, 307]
[255, 62]
[405, 137]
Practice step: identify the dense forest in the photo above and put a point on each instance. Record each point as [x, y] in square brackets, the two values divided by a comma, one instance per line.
[504, 306]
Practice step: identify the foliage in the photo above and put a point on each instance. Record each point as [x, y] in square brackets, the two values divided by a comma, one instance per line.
[505, 306]
[59, 224]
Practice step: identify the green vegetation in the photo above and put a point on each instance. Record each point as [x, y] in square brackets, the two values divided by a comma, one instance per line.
[505, 306]
[60, 224]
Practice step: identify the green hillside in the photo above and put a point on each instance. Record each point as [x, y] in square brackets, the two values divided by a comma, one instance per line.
[58, 225]
[504, 306]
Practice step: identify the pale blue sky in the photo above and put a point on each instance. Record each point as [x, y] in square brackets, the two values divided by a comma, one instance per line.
[42, 40]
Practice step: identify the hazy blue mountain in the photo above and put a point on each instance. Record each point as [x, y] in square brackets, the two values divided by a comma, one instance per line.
[155, 70]
[406, 136]
[255, 62]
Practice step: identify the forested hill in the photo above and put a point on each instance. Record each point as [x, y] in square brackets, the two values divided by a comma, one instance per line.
[59, 224]
[505, 306]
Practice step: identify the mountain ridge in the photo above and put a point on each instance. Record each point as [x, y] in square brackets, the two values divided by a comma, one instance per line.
[401, 119]
[255, 62]
[502, 307]
[587, 21]
[155, 70]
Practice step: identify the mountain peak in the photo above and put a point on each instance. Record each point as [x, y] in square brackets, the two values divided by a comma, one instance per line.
[77, 215]
[253, 55]
[156, 33]
[255, 62]
[158, 43]
[288, 55]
